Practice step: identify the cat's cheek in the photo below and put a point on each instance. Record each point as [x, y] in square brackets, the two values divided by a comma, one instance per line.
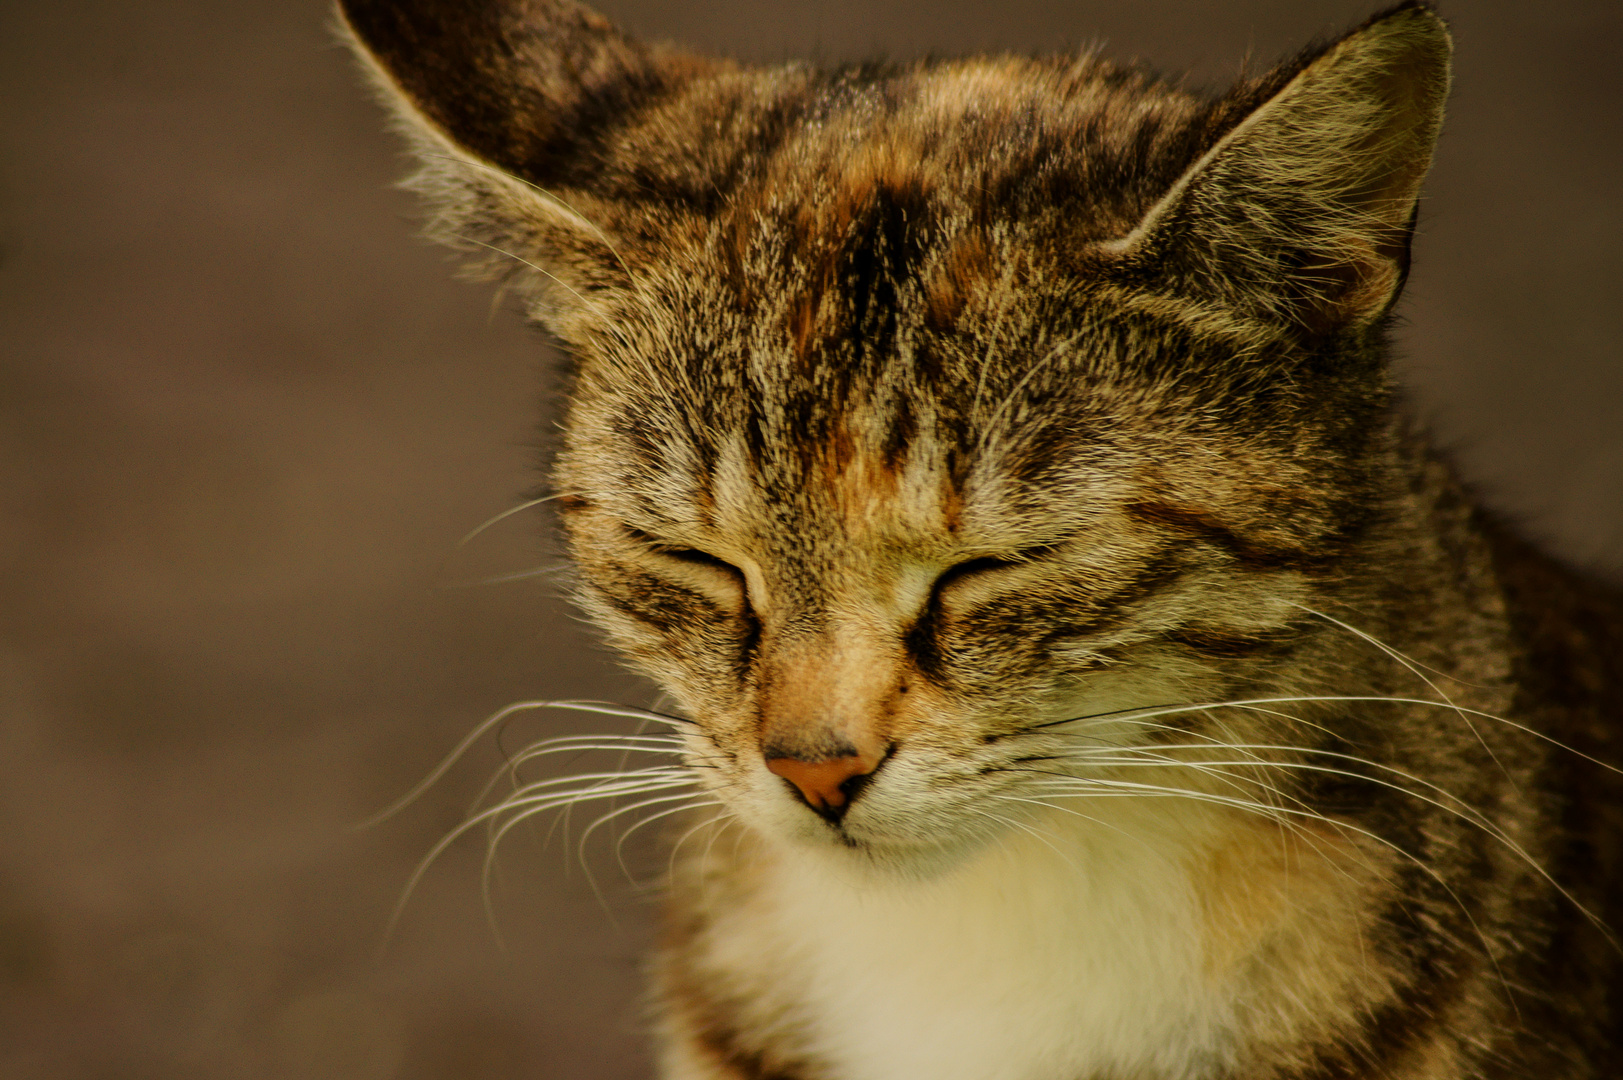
[655, 617]
[690, 667]
[973, 666]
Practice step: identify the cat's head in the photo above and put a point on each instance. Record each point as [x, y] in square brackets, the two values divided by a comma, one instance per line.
[920, 409]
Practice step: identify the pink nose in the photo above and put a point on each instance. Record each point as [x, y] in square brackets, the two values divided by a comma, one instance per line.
[822, 782]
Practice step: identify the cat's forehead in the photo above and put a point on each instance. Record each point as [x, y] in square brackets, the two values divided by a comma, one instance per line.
[891, 327]
[892, 245]
[897, 441]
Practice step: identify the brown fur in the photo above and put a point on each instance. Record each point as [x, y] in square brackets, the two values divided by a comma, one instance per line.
[970, 416]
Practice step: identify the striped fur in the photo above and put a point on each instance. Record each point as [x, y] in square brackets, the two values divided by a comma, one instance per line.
[1024, 426]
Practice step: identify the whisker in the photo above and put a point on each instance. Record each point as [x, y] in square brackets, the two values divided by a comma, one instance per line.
[725, 818]
[1008, 399]
[991, 343]
[529, 802]
[608, 708]
[1332, 698]
[500, 834]
[484, 728]
[1131, 709]
[1418, 673]
[1087, 817]
[619, 844]
[1463, 810]
[1127, 789]
[503, 579]
[1169, 762]
[1286, 824]
[543, 272]
[580, 846]
[509, 512]
[433, 777]
[625, 744]
[604, 786]
[1025, 828]
[1383, 646]
[580, 744]
[656, 773]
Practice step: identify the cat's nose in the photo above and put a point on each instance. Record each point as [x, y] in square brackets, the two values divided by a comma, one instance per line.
[830, 785]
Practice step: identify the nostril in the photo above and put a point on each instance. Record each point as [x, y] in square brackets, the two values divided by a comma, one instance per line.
[852, 786]
[828, 786]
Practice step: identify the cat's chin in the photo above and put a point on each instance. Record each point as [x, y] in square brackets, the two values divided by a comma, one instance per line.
[870, 852]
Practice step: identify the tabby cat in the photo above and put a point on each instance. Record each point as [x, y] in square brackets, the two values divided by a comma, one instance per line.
[1086, 673]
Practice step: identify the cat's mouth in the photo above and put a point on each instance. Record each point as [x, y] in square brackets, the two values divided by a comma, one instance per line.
[899, 816]
[910, 849]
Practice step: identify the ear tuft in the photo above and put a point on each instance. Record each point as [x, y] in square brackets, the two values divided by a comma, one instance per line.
[1304, 209]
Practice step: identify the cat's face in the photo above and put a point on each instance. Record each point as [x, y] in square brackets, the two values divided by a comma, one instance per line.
[927, 543]
[925, 418]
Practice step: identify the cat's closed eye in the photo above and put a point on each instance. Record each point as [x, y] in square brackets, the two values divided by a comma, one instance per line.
[718, 569]
[983, 569]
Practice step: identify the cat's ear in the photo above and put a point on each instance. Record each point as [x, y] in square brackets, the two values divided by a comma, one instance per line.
[1304, 209]
[513, 107]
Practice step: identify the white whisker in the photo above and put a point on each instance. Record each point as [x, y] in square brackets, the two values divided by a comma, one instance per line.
[1419, 674]
[619, 844]
[503, 579]
[580, 846]
[543, 272]
[1027, 829]
[1253, 703]
[509, 512]
[1460, 809]
[1086, 817]
[1128, 789]
[484, 728]
[725, 818]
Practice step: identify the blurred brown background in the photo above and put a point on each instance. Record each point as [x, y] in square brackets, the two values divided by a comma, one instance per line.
[245, 416]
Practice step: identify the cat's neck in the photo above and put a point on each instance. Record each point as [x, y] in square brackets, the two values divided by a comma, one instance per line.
[1106, 937]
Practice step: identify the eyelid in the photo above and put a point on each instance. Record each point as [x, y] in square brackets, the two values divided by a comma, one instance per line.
[983, 563]
[691, 555]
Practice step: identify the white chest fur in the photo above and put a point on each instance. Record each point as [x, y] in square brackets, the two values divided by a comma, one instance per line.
[1072, 954]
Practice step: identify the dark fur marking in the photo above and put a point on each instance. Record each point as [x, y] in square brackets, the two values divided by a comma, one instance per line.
[668, 607]
[714, 1033]
[904, 428]
[1202, 524]
[1224, 644]
[967, 266]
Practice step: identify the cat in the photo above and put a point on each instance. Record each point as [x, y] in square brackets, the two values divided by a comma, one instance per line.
[1089, 673]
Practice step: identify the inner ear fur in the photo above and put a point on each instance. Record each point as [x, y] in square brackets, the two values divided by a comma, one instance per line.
[529, 86]
[1303, 211]
[512, 107]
